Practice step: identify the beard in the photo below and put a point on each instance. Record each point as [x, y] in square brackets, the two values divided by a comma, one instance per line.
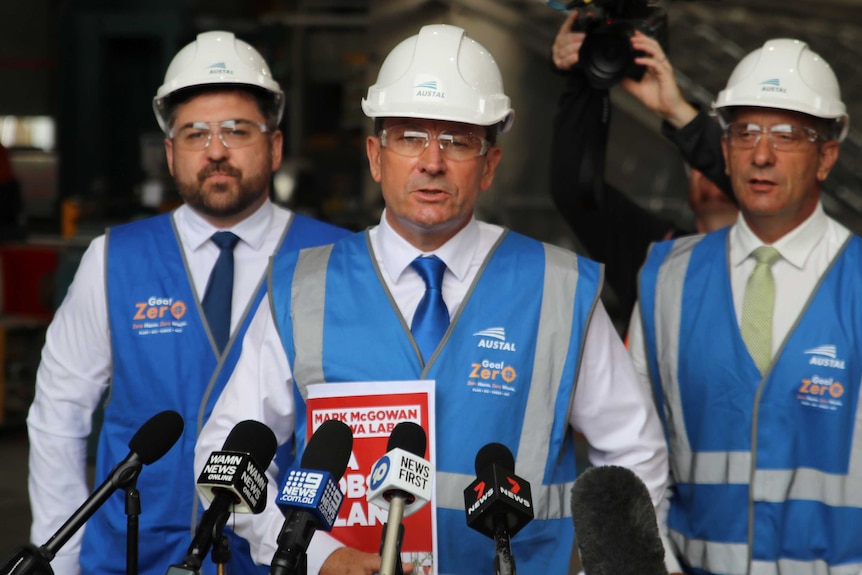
[225, 199]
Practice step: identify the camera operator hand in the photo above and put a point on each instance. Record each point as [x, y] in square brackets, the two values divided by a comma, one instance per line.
[657, 90]
[567, 44]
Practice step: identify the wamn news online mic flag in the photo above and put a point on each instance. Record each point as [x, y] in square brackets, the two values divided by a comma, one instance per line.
[372, 411]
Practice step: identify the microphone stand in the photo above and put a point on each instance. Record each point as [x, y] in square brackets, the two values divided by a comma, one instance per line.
[390, 544]
[133, 512]
[504, 561]
[221, 554]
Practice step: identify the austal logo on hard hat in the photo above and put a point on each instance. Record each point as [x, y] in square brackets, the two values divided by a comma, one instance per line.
[219, 68]
[772, 85]
[429, 90]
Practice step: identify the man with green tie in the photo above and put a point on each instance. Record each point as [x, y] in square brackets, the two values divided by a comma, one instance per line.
[750, 337]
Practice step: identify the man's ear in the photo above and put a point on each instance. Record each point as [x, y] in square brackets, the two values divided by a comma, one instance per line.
[372, 150]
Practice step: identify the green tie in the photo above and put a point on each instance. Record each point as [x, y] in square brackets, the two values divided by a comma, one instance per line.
[758, 304]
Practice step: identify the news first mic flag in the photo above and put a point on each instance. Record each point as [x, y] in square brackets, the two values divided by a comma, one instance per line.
[404, 471]
[372, 410]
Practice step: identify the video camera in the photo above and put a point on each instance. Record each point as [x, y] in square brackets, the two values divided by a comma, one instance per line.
[606, 56]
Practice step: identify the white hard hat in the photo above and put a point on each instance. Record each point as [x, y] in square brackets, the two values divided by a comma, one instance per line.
[215, 58]
[785, 74]
[440, 74]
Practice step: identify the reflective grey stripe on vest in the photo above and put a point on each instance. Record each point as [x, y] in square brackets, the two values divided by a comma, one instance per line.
[308, 279]
[769, 485]
[557, 311]
[668, 311]
[732, 559]
[793, 567]
[807, 484]
[725, 558]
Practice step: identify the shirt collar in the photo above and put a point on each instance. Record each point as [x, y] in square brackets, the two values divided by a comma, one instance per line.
[795, 247]
[397, 253]
[196, 231]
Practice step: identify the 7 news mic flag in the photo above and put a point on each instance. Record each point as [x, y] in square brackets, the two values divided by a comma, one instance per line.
[498, 502]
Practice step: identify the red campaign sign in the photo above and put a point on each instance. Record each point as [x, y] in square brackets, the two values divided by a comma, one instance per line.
[372, 417]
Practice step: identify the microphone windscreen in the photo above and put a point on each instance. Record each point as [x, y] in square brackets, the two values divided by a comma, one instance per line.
[615, 523]
[494, 453]
[156, 436]
[408, 436]
[329, 448]
[252, 437]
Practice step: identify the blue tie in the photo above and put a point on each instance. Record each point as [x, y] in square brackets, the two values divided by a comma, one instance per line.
[432, 317]
[217, 296]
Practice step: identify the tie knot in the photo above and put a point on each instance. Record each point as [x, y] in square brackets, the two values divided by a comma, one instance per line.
[225, 240]
[431, 271]
[766, 255]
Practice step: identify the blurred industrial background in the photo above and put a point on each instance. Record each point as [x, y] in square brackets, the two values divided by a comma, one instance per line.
[78, 78]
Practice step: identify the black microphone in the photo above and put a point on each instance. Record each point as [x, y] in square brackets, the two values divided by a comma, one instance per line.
[400, 482]
[152, 441]
[233, 480]
[498, 502]
[615, 523]
[309, 496]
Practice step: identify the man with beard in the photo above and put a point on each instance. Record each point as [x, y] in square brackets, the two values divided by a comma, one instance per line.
[152, 315]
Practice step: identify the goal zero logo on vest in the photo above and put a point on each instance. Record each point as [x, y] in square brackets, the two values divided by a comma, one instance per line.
[821, 392]
[159, 315]
[492, 378]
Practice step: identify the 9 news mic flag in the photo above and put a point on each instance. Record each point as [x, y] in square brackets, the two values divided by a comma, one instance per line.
[309, 496]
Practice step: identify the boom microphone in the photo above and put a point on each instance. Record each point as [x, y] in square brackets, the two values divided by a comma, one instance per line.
[615, 523]
[309, 496]
[152, 441]
[233, 479]
[498, 502]
[400, 482]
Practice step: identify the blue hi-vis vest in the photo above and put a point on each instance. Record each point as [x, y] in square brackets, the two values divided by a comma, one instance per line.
[163, 358]
[525, 314]
[768, 470]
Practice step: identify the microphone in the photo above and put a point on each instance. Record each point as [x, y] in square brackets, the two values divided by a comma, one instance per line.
[498, 502]
[615, 523]
[152, 441]
[233, 479]
[401, 483]
[309, 496]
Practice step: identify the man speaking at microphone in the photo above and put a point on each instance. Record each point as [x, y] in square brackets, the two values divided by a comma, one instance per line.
[511, 329]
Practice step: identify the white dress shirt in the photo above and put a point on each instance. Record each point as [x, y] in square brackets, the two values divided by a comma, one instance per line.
[806, 253]
[612, 407]
[76, 364]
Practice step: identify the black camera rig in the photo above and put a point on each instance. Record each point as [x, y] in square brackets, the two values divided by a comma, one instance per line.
[606, 56]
